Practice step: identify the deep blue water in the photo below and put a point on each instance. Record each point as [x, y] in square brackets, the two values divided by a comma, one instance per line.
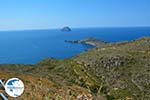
[29, 47]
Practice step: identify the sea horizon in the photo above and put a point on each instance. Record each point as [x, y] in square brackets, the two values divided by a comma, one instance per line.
[33, 29]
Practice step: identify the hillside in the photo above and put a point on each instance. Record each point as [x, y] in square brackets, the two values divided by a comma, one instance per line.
[115, 71]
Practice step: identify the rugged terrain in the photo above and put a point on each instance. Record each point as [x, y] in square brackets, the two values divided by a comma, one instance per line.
[114, 71]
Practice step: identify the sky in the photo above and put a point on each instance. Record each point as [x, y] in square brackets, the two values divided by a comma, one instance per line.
[43, 14]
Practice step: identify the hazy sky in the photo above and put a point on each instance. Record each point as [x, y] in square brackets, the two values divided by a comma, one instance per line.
[35, 14]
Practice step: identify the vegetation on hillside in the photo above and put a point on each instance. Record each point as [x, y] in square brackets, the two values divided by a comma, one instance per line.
[116, 71]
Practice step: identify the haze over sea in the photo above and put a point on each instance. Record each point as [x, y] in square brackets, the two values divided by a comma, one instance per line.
[31, 46]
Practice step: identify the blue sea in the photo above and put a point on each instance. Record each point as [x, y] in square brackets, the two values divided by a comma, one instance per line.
[31, 46]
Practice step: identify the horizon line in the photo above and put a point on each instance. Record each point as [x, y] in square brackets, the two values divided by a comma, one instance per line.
[30, 29]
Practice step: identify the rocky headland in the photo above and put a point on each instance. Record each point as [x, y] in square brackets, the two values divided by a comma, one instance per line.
[90, 41]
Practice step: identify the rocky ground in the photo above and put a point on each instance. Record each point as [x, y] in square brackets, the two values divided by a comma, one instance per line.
[114, 71]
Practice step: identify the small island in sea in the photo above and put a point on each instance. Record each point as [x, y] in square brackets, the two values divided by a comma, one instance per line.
[66, 29]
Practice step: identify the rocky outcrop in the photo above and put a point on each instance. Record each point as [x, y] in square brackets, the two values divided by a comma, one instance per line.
[114, 61]
[66, 29]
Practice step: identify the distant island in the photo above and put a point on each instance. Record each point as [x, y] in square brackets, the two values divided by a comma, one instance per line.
[66, 29]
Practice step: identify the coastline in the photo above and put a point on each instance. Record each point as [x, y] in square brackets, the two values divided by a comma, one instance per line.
[89, 71]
